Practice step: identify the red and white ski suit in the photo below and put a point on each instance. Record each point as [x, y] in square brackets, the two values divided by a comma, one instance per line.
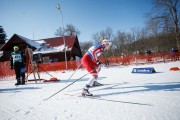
[90, 58]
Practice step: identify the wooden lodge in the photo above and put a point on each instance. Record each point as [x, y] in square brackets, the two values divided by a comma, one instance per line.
[50, 48]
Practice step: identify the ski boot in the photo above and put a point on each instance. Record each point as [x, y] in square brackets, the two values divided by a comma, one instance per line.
[23, 81]
[95, 84]
[18, 83]
[86, 93]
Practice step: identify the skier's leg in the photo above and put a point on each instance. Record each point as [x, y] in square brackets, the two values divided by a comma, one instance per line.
[86, 91]
[89, 84]
[95, 83]
[17, 72]
[23, 78]
[92, 79]
[90, 67]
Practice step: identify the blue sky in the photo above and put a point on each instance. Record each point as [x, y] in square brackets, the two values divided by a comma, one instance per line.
[38, 19]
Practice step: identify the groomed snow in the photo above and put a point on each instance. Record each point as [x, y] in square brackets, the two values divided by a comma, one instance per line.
[125, 96]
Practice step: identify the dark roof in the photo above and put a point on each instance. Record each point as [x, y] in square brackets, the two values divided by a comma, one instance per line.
[19, 41]
[49, 45]
[58, 41]
[52, 45]
[1, 45]
[51, 42]
[45, 46]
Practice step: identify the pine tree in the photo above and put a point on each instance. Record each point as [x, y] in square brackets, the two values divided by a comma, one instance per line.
[2, 35]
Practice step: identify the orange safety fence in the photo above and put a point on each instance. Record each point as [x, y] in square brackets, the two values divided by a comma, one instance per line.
[141, 58]
[56, 66]
[7, 74]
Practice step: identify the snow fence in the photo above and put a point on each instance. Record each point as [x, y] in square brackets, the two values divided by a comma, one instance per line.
[7, 74]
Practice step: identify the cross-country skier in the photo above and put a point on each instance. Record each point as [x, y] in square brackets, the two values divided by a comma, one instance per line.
[92, 64]
[17, 62]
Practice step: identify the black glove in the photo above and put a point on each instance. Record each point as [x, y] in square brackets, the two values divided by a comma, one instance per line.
[99, 63]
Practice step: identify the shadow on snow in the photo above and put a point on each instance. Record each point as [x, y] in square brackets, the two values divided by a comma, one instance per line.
[17, 89]
[170, 86]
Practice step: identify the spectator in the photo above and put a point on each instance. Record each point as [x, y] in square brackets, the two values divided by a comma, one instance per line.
[106, 62]
[51, 60]
[172, 54]
[17, 62]
[148, 53]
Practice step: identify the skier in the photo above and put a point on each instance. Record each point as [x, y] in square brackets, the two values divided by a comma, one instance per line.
[93, 65]
[17, 62]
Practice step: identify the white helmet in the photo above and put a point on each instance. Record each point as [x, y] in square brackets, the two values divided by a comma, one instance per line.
[106, 41]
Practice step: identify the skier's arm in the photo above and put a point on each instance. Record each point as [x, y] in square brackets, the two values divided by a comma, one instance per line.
[96, 53]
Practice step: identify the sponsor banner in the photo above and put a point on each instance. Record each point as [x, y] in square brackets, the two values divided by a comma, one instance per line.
[143, 70]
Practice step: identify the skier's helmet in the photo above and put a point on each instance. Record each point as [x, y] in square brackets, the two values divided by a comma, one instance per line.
[106, 42]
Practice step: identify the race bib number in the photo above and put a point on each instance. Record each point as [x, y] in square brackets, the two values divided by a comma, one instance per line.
[17, 57]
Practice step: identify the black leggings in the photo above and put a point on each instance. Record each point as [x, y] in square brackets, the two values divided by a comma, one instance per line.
[17, 68]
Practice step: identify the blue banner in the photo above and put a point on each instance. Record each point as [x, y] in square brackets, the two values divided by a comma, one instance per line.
[143, 70]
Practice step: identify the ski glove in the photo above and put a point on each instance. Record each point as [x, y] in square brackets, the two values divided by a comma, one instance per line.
[100, 64]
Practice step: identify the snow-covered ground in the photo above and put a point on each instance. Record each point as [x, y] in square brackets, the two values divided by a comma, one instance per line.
[126, 96]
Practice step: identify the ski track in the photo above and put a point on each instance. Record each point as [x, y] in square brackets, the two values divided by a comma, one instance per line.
[126, 96]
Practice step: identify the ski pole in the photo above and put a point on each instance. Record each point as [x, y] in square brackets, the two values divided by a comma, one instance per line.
[45, 71]
[73, 73]
[68, 85]
[30, 73]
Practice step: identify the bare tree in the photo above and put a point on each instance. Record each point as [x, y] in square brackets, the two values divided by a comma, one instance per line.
[69, 30]
[108, 33]
[85, 46]
[134, 34]
[59, 32]
[120, 41]
[96, 37]
[165, 15]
